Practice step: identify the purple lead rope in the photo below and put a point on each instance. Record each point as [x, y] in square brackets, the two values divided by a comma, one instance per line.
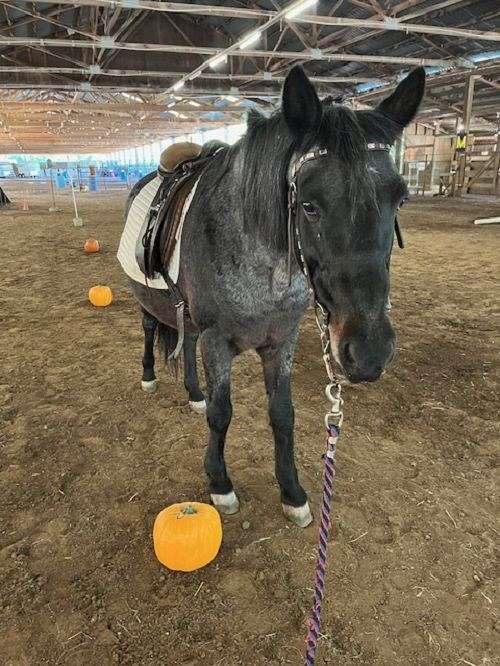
[314, 623]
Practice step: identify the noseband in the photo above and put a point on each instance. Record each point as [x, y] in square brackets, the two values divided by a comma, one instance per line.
[295, 246]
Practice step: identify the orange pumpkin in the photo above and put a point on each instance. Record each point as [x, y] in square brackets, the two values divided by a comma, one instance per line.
[91, 245]
[100, 296]
[187, 536]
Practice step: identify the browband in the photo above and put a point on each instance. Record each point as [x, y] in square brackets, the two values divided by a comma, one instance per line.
[378, 146]
[311, 155]
[319, 152]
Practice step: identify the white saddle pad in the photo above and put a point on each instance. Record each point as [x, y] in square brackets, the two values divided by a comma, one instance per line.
[133, 225]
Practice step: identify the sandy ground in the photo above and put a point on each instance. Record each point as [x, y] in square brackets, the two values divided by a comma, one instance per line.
[87, 460]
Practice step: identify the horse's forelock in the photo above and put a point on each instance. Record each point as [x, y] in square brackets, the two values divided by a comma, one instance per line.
[268, 147]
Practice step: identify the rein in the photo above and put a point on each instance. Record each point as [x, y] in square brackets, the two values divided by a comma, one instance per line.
[334, 416]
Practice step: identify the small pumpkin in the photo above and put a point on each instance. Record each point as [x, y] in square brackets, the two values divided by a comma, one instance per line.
[187, 536]
[100, 296]
[91, 245]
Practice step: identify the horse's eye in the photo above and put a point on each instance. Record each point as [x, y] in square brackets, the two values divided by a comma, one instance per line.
[310, 210]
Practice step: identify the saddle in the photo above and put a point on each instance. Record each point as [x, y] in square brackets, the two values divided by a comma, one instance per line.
[180, 165]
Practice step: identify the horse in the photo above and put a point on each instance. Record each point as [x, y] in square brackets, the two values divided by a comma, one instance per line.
[305, 202]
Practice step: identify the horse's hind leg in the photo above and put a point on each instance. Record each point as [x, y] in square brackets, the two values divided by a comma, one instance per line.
[277, 364]
[149, 325]
[196, 397]
[217, 358]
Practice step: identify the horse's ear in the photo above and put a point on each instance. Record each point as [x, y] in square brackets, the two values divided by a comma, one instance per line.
[301, 106]
[403, 104]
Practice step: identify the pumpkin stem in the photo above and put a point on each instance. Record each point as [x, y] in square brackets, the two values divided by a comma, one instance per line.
[188, 510]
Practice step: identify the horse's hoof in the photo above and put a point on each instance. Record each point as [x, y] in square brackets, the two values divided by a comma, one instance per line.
[226, 504]
[149, 387]
[299, 515]
[199, 407]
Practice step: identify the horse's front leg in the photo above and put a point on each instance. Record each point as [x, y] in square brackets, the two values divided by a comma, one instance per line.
[217, 359]
[277, 364]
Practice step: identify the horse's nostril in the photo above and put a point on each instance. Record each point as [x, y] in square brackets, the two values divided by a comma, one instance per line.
[347, 353]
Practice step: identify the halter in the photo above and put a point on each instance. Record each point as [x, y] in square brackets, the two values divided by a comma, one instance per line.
[294, 244]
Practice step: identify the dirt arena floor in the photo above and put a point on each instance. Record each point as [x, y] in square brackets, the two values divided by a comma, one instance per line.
[87, 460]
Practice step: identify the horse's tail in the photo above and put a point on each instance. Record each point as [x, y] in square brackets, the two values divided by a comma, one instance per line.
[167, 342]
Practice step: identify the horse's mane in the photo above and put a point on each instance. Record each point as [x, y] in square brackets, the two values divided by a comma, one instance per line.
[267, 149]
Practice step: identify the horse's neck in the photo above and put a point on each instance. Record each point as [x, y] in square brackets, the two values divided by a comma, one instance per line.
[263, 230]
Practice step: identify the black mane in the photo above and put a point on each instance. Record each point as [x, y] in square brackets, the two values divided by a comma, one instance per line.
[267, 149]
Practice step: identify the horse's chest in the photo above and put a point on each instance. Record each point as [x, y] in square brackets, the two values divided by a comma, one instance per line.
[263, 308]
[242, 288]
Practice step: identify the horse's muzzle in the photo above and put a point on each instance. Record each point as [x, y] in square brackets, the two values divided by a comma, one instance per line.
[365, 362]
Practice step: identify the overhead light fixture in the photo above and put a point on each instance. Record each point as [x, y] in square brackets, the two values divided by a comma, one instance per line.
[171, 104]
[193, 103]
[230, 98]
[299, 7]
[249, 39]
[178, 85]
[219, 60]
[134, 97]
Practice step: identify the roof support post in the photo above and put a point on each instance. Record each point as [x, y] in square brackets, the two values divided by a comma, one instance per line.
[400, 152]
[467, 113]
[496, 167]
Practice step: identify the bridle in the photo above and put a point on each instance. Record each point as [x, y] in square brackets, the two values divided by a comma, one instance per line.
[294, 240]
[295, 248]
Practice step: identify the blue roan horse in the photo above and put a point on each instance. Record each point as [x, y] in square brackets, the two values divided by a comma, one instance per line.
[245, 244]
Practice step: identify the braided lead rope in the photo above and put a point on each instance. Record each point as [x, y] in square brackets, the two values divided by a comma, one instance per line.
[314, 623]
[333, 424]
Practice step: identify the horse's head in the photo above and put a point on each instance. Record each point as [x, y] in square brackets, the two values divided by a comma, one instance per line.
[347, 198]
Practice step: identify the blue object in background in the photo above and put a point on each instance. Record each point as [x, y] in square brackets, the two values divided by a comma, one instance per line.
[61, 180]
[93, 183]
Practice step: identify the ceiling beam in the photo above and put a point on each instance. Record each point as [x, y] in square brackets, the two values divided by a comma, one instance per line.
[48, 19]
[143, 90]
[330, 43]
[394, 24]
[493, 84]
[26, 20]
[166, 74]
[109, 43]
[258, 94]
[83, 107]
[429, 9]
[432, 81]
[332, 21]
